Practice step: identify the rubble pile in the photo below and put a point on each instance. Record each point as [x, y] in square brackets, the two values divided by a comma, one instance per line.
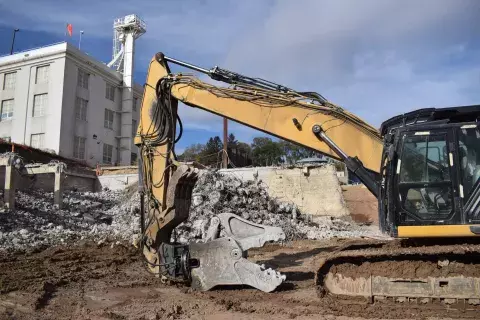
[36, 222]
[111, 216]
[215, 193]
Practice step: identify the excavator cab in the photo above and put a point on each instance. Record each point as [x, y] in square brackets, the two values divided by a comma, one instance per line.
[432, 173]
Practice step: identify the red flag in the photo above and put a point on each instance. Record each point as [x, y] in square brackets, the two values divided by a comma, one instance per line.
[69, 29]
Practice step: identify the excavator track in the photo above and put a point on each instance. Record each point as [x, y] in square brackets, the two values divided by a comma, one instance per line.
[431, 273]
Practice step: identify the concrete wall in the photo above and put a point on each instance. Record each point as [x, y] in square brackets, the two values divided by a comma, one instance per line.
[315, 191]
[117, 181]
[46, 182]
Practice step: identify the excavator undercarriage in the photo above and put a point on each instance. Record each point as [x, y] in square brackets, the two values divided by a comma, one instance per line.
[421, 272]
[424, 168]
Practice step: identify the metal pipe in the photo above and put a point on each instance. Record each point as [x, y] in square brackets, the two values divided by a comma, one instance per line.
[317, 130]
[187, 65]
[352, 163]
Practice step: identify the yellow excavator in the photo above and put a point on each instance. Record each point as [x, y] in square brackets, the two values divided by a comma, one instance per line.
[423, 167]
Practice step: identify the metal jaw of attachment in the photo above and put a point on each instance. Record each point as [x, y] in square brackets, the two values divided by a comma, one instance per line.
[216, 261]
[222, 261]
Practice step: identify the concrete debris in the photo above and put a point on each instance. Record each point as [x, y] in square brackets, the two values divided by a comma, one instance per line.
[102, 216]
[215, 193]
[111, 216]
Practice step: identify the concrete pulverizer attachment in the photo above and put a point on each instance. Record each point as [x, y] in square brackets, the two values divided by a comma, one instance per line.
[222, 261]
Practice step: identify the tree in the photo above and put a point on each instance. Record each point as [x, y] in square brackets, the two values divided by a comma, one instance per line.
[210, 154]
[292, 152]
[192, 153]
[231, 141]
[266, 152]
[244, 148]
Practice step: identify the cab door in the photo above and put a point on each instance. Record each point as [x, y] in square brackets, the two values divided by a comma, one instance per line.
[425, 179]
[468, 137]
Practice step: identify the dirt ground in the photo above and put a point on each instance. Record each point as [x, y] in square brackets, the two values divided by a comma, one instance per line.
[91, 281]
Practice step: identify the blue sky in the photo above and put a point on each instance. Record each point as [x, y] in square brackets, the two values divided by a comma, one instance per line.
[376, 58]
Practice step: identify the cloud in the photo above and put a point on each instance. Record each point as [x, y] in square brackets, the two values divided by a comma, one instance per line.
[377, 58]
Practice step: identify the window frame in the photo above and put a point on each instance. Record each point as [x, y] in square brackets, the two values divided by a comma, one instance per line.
[41, 137]
[83, 78]
[46, 74]
[81, 108]
[110, 91]
[78, 152]
[107, 123]
[403, 187]
[7, 118]
[43, 106]
[14, 73]
[107, 153]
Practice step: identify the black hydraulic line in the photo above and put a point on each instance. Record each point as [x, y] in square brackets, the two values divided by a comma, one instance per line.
[353, 163]
[141, 191]
[186, 65]
[231, 77]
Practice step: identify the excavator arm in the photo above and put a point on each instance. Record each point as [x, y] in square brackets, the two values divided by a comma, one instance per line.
[304, 118]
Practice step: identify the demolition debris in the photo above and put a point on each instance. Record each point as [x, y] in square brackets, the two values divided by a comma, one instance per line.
[107, 216]
[111, 216]
[215, 193]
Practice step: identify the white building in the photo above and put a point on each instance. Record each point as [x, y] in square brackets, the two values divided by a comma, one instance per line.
[61, 99]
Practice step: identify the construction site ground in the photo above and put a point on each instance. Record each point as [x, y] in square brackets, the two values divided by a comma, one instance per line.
[108, 280]
[92, 281]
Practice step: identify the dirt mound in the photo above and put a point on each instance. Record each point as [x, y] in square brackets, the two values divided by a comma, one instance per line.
[361, 204]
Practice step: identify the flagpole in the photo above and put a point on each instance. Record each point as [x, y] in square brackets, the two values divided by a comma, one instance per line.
[80, 41]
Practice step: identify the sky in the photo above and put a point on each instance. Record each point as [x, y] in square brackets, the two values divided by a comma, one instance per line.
[376, 58]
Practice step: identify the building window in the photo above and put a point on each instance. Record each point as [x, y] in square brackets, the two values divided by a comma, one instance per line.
[81, 109]
[40, 102]
[110, 92]
[82, 80]
[37, 140]
[107, 153]
[108, 123]
[7, 109]
[135, 101]
[9, 81]
[134, 128]
[133, 160]
[79, 147]
[42, 74]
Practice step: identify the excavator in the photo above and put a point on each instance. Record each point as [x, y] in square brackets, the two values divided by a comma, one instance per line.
[422, 166]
